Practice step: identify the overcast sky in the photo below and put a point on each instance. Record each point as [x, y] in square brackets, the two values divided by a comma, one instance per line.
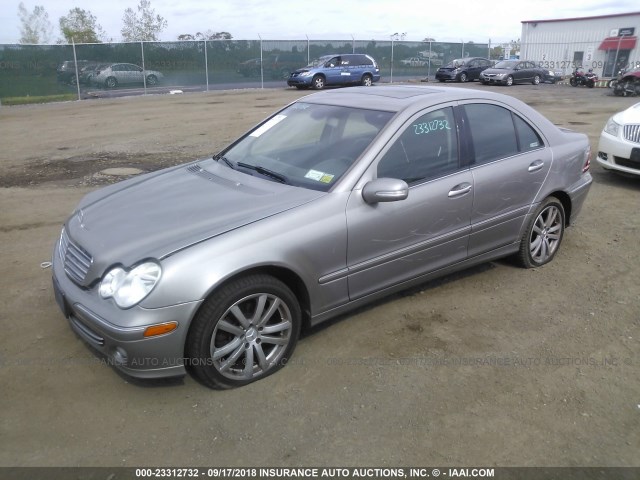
[476, 20]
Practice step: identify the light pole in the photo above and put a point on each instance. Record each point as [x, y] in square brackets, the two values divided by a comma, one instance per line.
[393, 37]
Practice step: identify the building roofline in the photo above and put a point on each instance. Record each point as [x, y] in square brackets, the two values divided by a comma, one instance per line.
[581, 18]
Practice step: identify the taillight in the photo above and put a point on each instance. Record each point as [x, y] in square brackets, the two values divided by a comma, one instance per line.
[587, 160]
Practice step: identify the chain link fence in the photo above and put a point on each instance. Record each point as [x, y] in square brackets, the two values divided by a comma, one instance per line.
[79, 71]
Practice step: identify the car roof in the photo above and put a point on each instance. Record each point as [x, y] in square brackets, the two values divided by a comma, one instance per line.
[394, 98]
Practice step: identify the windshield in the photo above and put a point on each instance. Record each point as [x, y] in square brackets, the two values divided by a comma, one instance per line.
[306, 145]
[318, 62]
[506, 64]
[458, 62]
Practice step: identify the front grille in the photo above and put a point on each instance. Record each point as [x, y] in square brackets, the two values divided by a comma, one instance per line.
[632, 133]
[75, 259]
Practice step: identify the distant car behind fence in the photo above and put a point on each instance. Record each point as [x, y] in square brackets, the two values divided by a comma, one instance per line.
[71, 70]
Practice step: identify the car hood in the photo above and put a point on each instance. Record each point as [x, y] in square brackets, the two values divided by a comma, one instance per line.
[630, 115]
[161, 213]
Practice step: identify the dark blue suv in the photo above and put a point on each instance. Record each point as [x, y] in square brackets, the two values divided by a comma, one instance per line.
[343, 69]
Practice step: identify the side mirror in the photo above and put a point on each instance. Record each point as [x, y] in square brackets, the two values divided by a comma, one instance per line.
[385, 190]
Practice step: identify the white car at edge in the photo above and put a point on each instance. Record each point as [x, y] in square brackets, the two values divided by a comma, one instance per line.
[619, 147]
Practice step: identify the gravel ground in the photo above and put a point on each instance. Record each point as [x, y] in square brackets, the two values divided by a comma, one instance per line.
[493, 366]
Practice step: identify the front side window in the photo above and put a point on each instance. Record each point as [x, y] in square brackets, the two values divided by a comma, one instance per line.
[307, 145]
[426, 149]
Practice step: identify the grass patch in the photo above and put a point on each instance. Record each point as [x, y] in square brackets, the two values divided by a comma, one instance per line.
[63, 97]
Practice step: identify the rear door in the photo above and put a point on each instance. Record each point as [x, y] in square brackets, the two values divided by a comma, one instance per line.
[510, 164]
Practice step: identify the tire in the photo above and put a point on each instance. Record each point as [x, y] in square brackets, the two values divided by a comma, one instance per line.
[110, 82]
[543, 235]
[463, 78]
[152, 80]
[509, 81]
[536, 80]
[591, 84]
[244, 332]
[367, 80]
[318, 82]
[573, 82]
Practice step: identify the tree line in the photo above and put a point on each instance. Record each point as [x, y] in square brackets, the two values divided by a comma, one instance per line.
[81, 26]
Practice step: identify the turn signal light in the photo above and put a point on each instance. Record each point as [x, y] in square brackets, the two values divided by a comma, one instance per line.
[160, 329]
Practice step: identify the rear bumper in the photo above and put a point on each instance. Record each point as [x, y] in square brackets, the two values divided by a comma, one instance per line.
[578, 194]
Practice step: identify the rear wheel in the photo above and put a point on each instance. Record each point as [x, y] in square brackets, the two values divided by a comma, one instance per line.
[367, 80]
[244, 332]
[536, 80]
[318, 82]
[542, 238]
[152, 80]
[111, 82]
[463, 77]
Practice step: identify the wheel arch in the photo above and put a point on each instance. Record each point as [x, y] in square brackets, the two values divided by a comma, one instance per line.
[285, 275]
[565, 200]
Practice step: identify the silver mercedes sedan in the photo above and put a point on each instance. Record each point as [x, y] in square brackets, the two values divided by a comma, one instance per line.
[338, 199]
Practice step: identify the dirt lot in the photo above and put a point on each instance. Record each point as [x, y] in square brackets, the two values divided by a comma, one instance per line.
[494, 366]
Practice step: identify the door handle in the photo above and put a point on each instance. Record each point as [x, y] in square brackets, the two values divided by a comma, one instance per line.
[460, 189]
[535, 166]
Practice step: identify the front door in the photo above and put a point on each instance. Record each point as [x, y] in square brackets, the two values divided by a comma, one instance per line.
[389, 243]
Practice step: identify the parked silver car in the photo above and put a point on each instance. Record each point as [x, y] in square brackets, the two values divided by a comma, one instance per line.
[338, 199]
[115, 74]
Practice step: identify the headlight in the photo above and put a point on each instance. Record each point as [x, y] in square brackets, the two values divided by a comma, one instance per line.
[305, 74]
[612, 128]
[500, 75]
[127, 288]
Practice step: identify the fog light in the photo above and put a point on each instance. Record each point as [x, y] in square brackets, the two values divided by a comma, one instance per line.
[603, 156]
[119, 356]
[160, 329]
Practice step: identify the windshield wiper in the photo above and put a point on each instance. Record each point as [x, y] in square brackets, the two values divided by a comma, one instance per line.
[264, 171]
[219, 157]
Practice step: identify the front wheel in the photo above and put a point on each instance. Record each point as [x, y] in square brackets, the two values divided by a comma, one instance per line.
[152, 80]
[318, 82]
[542, 238]
[573, 82]
[244, 332]
[463, 77]
[367, 80]
[509, 81]
[536, 80]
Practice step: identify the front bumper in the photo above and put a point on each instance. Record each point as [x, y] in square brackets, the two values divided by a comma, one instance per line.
[493, 80]
[300, 81]
[119, 334]
[615, 153]
[446, 76]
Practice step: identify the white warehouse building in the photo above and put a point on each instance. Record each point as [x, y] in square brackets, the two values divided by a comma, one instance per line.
[605, 43]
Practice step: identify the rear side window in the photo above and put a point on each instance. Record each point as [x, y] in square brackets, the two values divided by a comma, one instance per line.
[498, 133]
